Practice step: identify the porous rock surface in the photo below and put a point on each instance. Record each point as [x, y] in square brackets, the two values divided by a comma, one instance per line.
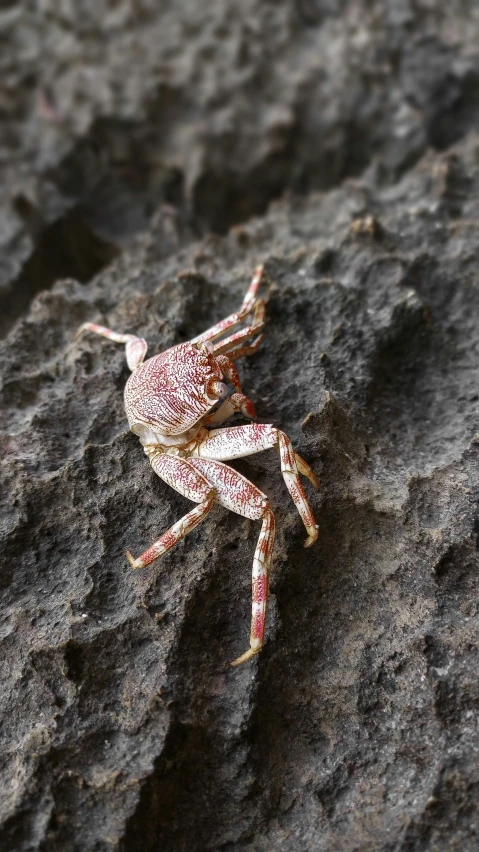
[122, 726]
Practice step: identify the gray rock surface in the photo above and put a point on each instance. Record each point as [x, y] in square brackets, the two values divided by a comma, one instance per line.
[129, 134]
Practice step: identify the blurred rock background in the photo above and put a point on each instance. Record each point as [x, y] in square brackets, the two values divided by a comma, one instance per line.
[150, 155]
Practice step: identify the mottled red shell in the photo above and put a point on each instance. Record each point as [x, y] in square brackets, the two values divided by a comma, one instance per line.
[169, 391]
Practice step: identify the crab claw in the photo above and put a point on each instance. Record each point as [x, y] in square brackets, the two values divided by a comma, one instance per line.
[248, 409]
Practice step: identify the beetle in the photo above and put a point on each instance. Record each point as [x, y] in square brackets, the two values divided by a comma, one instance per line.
[174, 401]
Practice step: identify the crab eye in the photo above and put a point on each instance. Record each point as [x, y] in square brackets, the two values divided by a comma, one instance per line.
[216, 389]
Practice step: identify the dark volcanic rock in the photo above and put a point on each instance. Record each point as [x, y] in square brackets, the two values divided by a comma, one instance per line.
[127, 134]
[357, 725]
[213, 107]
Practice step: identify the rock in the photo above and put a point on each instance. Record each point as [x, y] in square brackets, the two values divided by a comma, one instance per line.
[122, 724]
[212, 108]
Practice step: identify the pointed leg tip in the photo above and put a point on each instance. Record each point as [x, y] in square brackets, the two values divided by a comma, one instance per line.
[133, 562]
[312, 537]
[79, 332]
[251, 652]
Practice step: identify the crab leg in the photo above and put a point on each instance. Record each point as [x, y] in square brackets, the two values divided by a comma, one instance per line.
[236, 402]
[236, 493]
[232, 341]
[247, 306]
[259, 586]
[180, 474]
[241, 351]
[135, 346]
[173, 535]
[239, 441]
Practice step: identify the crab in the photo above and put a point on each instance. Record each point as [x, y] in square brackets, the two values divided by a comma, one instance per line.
[174, 402]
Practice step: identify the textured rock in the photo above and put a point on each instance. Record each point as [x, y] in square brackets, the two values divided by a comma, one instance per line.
[215, 107]
[121, 724]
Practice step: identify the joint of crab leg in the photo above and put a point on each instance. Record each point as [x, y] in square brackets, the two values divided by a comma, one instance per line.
[136, 347]
[135, 352]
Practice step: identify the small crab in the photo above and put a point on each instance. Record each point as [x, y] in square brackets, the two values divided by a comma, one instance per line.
[172, 400]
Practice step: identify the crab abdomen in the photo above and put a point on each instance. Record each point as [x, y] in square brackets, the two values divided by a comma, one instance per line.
[172, 391]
